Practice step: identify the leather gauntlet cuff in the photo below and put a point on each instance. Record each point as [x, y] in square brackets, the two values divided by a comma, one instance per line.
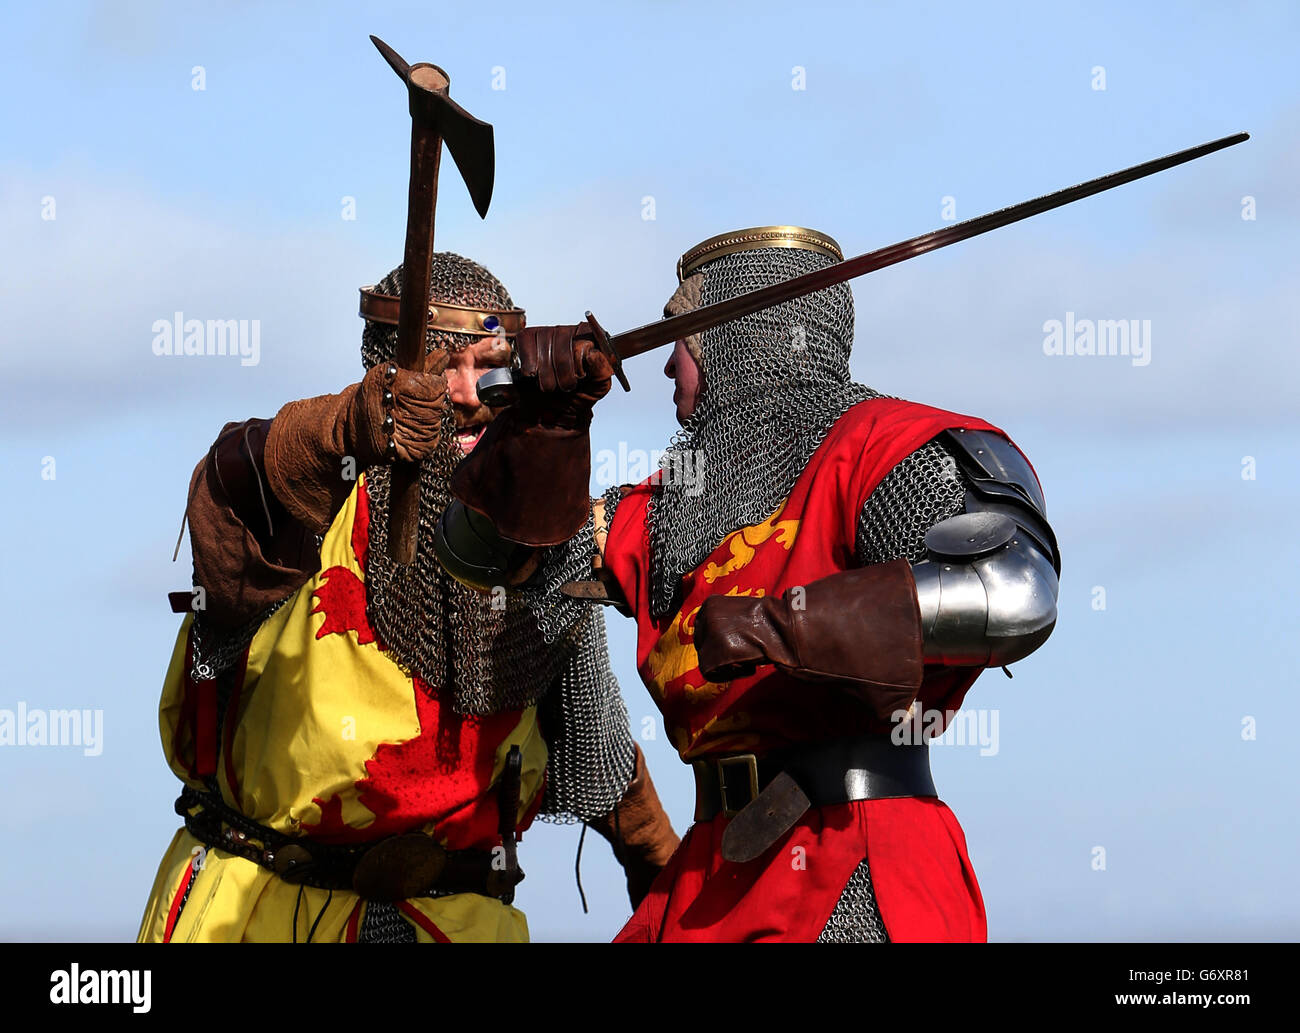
[248, 552]
[639, 831]
[861, 628]
[238, 459]
[530, 481]
[308, 445]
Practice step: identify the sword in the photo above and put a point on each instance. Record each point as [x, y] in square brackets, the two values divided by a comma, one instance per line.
[499, 387]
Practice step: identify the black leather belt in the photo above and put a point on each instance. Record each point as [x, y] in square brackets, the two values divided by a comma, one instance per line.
[839, 771]
[394, 868]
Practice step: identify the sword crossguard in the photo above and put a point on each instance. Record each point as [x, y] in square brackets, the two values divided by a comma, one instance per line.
[602, 342]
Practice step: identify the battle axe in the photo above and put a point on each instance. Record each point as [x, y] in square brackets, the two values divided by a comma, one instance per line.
[435, 119]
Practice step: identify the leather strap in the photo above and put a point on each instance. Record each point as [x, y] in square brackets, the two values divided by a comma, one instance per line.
[500, 882]
[768, 817]
[844, 770]
[394, 868]
[602, 588]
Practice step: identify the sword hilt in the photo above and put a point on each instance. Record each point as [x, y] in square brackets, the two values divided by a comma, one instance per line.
[499, 388]
[602, 342]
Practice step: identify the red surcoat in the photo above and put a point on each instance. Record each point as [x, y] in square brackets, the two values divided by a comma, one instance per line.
[924, 883]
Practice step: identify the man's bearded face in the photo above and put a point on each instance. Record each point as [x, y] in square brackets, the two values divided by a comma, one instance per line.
[464, 367]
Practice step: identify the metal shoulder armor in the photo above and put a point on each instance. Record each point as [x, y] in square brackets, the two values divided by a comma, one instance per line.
[989, 581]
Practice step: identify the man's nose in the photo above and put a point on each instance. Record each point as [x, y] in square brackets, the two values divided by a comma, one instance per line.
[670, 367]
[462, 388]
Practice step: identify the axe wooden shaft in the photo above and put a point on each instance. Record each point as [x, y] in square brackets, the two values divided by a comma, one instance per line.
[413, 314]
[417, 259]
[434, 116]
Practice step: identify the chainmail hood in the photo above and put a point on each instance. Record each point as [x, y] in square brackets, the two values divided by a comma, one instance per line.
[480, 654]
[455, 280]
[485, 653]
[774, 383]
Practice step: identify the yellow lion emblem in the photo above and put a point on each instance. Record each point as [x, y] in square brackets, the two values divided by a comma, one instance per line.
[743, 544]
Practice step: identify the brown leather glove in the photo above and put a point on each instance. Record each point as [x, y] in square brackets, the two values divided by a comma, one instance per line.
[530, 470]
[640, 832]
[391, 414]
[860, 627]
[567, 375]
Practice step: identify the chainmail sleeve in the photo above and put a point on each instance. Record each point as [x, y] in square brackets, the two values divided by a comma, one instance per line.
[556, 613]
[612, 497]
[924, 488]
[584, 718]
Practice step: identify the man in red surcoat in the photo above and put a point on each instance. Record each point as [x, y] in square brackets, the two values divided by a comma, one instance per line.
[817, 573]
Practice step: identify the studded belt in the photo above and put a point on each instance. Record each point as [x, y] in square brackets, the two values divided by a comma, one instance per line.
[394, 868]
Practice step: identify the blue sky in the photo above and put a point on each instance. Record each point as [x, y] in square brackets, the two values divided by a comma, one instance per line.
[1124, 732]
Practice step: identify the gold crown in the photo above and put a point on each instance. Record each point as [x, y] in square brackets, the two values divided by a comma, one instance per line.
[460, 319]
[756, 237]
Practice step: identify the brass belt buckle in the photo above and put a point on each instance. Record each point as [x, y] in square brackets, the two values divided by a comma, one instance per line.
[745, 760]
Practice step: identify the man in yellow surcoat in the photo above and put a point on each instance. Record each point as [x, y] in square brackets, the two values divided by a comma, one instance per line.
[362, 742]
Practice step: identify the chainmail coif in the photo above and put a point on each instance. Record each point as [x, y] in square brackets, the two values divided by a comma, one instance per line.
[488, 653]
[481, 654]
[774, 383]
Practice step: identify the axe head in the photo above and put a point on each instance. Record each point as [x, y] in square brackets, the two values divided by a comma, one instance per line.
[432, 109]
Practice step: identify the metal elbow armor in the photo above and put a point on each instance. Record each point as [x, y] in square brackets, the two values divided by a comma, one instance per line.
[988, 585]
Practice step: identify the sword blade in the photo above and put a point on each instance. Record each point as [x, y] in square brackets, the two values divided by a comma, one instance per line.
[665, 331]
